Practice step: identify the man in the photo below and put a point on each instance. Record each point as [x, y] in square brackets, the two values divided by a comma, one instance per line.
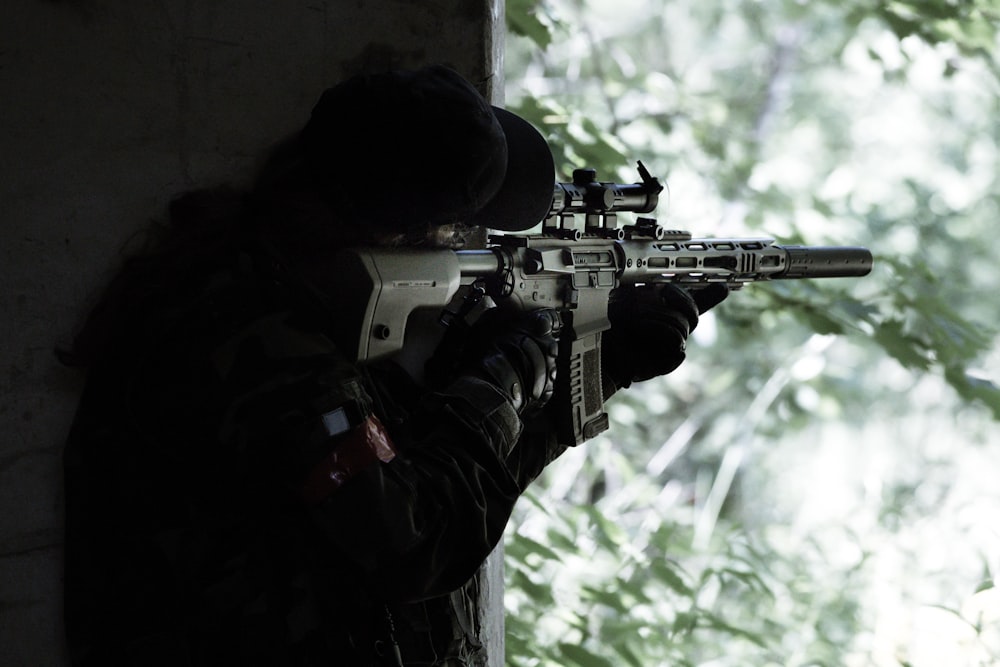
[239, 493]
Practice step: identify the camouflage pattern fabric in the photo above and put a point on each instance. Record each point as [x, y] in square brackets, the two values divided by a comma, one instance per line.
[187, 543]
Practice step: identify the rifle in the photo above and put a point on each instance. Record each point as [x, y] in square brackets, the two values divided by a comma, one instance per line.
[571, 267]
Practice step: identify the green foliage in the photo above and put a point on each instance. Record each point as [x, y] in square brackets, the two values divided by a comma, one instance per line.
[720, 603]
[734, 131]
[970, 26]
[523, 19]
[695, 531]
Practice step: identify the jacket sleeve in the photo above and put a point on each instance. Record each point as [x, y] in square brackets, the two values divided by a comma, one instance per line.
[422, 524]
[417, 526]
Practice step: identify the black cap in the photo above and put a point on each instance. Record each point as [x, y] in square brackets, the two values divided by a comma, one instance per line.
[410, 148]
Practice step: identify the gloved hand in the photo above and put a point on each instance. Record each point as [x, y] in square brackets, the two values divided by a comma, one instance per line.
[516, 352]
[649, 330]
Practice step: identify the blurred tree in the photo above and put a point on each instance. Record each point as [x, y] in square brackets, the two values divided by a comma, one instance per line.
[676, 538]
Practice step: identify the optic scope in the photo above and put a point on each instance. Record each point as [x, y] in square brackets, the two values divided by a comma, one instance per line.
[588, 195]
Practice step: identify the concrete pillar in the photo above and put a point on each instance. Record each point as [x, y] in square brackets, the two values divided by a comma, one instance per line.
[107, 109]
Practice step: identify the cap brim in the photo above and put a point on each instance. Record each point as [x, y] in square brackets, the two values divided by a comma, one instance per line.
[525, 196]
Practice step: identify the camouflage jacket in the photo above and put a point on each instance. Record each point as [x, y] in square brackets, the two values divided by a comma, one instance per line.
[187, 539]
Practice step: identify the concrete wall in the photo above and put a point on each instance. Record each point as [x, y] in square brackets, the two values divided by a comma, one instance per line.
[106, 110]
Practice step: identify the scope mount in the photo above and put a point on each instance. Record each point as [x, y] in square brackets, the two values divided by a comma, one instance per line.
[599, 202]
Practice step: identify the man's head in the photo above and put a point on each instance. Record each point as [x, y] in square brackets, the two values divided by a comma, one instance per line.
[402, 151]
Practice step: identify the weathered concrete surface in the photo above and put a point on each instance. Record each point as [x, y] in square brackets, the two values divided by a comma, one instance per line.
[106, 110]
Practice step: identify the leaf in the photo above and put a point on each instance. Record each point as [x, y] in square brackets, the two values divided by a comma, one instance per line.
[684, 622]
[540, 594]
[906, 349]
[521, 546]
[522, 19]
[561, 541]
[901, 26]
[608, 534]
[536, 501]
[622, 648]
[578, 655]
[666, 572]
[856, 309]
[750, 579]
[973, 388]
[716, 623]
[611, 599]
[821, 322]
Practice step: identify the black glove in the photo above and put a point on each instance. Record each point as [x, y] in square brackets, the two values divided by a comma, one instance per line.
[649, 330]
[516, 352]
